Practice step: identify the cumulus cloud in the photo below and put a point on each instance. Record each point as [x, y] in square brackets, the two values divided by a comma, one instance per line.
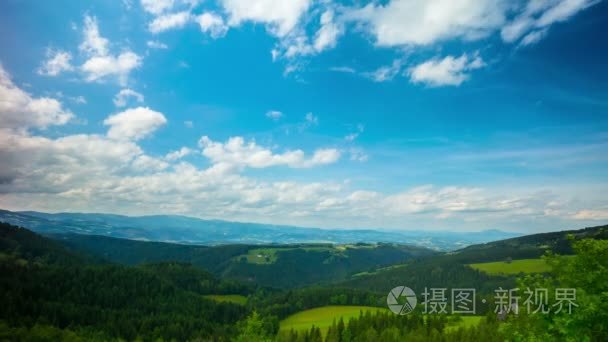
[179, 154]
[98, 67]
[121, 98]
[157, 7]
[170, 21]
[280, 17]
[19, 109]
[93, 43]
[212, 24]
[449, 71]
[134, 124]
[423, 22]
[100, 63]
[237, 153]
[57, 62]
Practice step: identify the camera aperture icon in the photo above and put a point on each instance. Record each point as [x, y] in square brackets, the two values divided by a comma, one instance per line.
[401, 300]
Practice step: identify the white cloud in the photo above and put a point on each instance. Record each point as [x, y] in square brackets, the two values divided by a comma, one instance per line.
[385, 73]
[57, 62]
[592, 214]
[93, 43]
[343, 69]
[170, 21]
[99, 67]
[134, 124]
[423, 22]
[157, 7]
[212, 24]
[18, 109]
[179, 154]
[538, 15]
[281, 17]
[237, 153]
[443, 72]
[327, 36]
[155, 44]
[144, 163]
[533, 37]
[120, 99]
[100, 63]
[189, 124]
[274, 115]
[563, 10]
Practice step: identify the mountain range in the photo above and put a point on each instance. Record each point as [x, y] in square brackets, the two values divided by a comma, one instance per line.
[189, 230]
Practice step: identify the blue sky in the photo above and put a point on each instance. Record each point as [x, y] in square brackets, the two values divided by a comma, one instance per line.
[397, 114]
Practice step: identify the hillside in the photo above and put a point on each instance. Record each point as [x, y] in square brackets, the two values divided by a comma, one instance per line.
[453, 268]
[281, 266]
[43, 284]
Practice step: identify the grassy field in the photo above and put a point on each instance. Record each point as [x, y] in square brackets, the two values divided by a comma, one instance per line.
[465, 322]
[323, 317]
[514, 267]
[237, 299]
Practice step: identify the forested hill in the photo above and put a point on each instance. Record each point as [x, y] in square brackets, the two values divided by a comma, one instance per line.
[47, 291]
[453, 268]
[529, 246]
[280, 266]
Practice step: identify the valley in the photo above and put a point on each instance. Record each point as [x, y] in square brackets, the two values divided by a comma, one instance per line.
[286, 292]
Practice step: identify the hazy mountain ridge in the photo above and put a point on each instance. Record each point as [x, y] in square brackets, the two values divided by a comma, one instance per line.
[188, 230]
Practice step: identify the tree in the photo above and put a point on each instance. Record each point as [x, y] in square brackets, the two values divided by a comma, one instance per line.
[252, 329]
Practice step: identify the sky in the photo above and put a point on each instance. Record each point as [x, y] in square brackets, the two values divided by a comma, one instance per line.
[460, 115]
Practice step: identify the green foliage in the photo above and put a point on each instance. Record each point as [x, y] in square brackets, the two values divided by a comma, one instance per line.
[51, 295]
[286, 266]
[256, 328]
[587, 272]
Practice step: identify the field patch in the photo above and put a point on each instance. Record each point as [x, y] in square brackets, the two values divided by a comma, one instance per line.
[236, 299]
[464, 322]
[513, 267]
[323, 317]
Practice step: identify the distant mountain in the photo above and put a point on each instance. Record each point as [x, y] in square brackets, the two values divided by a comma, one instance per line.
[188, 230]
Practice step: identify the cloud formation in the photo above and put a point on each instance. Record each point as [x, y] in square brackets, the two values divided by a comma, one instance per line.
[20, 110]
[100, 63]
[134, 124]
[449, 71]
[121, 98]
[237, 153]
[57, 62]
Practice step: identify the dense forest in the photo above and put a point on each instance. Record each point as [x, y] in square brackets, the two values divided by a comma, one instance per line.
[296, 265]
[53, 291]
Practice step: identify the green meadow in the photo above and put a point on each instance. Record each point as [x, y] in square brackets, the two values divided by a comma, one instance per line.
[323, 317]
[513, 267]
